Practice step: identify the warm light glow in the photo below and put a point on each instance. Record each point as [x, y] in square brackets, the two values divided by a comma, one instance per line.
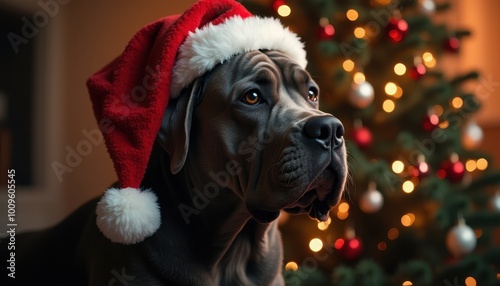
[316, 244]
[323, 21]
[408, 187]
[407, 283]
[438, 110]
[359, 32]
[431, 64]
[399, 92]
[429, 60]
[382, 2]
[359, 77]
[482, 164]
[407, 219]
[382, 246]
[457, 102]
[293, 266]
[444, 124]
[284, 10]
[398, 167]
[388, 106]
[348, 65]
[471, 165]
[393, 233]
[342, 215]
[352, 15]
[344, 207]
[391, 88]
[323, 225]
[470, 281]
[400, 69]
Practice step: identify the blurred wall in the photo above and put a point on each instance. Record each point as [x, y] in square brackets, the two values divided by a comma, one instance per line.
[480, 52]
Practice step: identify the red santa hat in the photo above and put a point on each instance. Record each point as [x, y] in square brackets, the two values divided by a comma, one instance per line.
[130, 96]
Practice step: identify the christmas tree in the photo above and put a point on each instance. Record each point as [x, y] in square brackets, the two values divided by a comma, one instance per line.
[422, 205]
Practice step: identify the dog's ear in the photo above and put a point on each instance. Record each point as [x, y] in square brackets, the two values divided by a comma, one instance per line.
[176, 125]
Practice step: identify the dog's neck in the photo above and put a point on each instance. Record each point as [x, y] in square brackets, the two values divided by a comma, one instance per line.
[215, 233]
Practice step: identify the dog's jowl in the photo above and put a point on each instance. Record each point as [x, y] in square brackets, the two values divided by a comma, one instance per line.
[215, 131]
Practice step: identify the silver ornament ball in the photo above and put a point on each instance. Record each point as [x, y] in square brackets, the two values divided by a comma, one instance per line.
[371, 201]
[472, 135]
[361, 95]
[496, 201]
[427, 6]
[461, 240]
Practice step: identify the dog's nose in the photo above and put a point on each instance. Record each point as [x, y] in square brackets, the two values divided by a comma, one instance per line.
[325, 129]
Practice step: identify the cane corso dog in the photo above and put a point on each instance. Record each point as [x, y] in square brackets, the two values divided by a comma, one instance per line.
[249, 141]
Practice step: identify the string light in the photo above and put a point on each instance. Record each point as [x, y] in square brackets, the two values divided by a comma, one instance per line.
[359, 32]
[407, 219]
[382, 246]
[342, 215]
[388, 106]
[390, 88]
[438, 110]
[470, 281]
[344, 207]
[470, 165]
[444, 124]
[393, 233]
[348, 65]
[352, 15]
[398, 167]
[482, 164]
[284, 10]
[292, 265]
[429, 60]
[323, 225]
[359, 77]
[457, 102]
[399, 92]
[316, 244]
[400, 69]
[407, 283]
[408, 187]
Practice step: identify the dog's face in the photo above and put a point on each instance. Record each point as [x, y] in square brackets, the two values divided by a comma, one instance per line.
[252, 125]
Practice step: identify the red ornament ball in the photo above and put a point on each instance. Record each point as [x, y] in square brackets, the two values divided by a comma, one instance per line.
[452, 171]
[452, 45]
[362, 137]
[430, 122]
[349, 249]
[397, 29]
[417, 71]
[326, 32]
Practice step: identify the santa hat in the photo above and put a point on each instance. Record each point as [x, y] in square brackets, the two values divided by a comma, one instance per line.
[130, 96]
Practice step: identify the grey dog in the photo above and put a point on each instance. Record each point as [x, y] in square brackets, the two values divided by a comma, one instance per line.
[250, 142]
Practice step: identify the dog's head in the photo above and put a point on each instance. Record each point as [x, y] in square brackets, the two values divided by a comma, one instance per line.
[252, 126]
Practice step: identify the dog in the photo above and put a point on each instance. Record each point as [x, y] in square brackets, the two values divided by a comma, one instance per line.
[249, 141]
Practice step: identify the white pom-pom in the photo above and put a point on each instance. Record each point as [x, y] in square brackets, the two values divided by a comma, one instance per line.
[128, 215]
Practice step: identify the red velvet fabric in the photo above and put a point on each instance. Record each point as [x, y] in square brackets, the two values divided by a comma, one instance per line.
[130, 95]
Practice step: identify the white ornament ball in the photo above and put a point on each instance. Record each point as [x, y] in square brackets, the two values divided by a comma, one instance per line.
[472, 135]
[427, 6]
[461, 239]
[361, 95]
[371, 201]
[496, 201]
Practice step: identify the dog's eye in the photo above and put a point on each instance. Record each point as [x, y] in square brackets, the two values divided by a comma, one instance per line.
[313, 94]
[252, 97]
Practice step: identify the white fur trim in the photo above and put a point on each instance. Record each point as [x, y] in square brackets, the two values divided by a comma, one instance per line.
[214, 44]
[128, 215]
